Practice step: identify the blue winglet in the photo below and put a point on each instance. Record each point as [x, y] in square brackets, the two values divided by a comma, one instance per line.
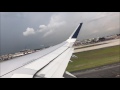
[77, 31]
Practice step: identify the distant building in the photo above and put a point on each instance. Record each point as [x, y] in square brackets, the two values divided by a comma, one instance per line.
[102, 39]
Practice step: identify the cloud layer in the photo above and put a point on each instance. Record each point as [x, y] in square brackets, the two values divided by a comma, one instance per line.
[94, 22]
[55, 22]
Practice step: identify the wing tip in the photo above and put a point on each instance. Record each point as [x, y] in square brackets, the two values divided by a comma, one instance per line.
[77, 30]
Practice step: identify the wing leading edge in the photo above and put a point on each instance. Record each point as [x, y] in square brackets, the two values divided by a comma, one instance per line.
[48, 65]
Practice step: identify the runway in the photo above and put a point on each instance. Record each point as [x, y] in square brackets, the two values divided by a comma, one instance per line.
[108, 71]
[97, 45]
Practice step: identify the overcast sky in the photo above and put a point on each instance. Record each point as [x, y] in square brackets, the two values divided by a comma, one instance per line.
[20, 30]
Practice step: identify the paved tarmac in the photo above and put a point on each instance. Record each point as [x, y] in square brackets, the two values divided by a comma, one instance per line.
[107, 71]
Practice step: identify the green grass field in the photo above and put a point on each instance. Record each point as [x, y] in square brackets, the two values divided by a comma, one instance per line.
[94, 58]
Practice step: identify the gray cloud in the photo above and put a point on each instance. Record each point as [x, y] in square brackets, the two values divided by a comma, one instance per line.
[56, 21]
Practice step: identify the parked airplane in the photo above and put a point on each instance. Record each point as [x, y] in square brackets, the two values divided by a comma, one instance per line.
[47, 63]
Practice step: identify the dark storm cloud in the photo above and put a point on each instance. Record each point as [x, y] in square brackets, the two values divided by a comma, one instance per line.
[13, 25]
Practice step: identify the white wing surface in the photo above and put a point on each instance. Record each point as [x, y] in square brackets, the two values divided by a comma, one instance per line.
[47, 63]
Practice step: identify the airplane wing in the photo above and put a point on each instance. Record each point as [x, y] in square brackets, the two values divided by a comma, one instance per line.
[47, 63]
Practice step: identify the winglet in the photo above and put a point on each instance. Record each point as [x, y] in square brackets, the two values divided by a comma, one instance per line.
[74, 35]
[77, 31]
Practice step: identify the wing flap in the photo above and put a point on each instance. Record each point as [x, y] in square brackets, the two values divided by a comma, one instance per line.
[61, 69]
[21, 76]
[58, 66]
